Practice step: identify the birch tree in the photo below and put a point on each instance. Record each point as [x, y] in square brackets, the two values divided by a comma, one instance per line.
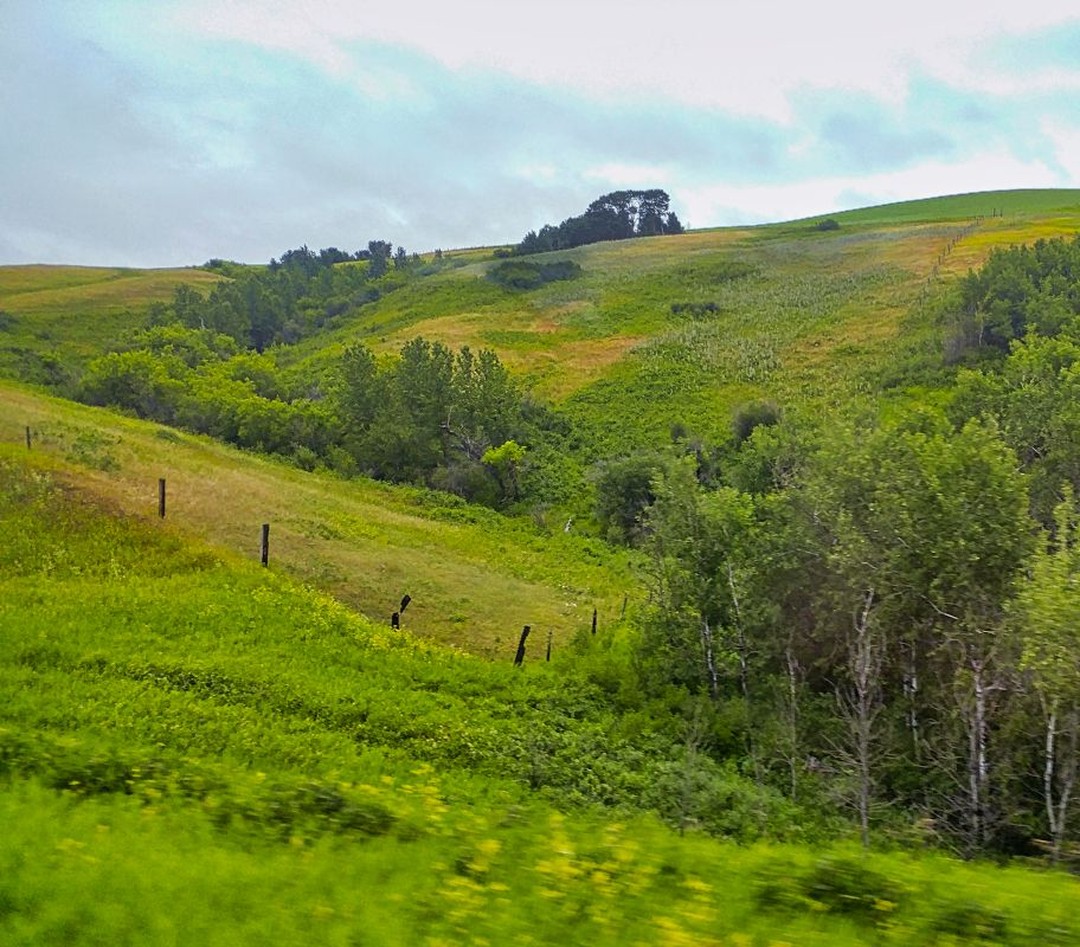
[1047, 613]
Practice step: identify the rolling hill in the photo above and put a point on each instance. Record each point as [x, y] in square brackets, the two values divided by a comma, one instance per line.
[197, 749]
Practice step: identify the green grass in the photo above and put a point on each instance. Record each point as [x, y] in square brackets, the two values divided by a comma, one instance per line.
[114, 871]
[1033, 201]
[196, 750]
[817, 319]
[475, 577]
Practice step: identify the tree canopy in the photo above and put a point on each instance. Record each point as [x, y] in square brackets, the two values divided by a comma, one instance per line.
[619, 215]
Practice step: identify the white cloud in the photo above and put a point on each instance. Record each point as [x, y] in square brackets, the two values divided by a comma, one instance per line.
[628, 175]
[1065, 140]
[744, 58]
[173, 130]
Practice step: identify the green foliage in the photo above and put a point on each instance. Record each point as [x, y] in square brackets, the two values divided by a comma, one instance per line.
[615, 216]
[505, 460]
[1033, 398]
[1018, 289]
[625, 490]
[1049, 612]
[150, 385]
[748, 418]
[695, 310]
[525, 274]
[433, 416]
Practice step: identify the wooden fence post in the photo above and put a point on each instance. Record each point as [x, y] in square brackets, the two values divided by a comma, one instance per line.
[28, 437]
[265, 550]
[161, 497]
[550, 634]
[594, 621]
[520, 656]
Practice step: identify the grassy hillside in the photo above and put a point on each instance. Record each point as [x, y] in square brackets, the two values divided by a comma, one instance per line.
[655, 332]
[783, 312]
[194, 750]
[475, 578]
[54, 317]
[1035, 202]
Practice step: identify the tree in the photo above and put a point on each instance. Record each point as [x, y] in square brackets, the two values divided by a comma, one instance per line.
[624, 493]
[379, 257]
[505, 462]
[1047, 613]
[152, 386]
[615, 216]
[923, 534]
[699, 542]
[1034, 399]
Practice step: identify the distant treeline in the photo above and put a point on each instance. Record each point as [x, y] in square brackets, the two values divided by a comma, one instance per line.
[615, 216]
[292, 297]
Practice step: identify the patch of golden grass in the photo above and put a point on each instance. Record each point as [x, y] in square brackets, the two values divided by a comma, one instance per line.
[34, 277]
[454, 331]
[561, 371]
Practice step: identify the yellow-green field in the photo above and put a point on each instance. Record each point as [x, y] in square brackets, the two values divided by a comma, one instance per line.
[475, 578]
[58, 289]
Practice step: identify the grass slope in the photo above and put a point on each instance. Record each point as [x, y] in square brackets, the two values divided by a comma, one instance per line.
[54, 315]
[794, 315]
[475, 577]
[194, 750]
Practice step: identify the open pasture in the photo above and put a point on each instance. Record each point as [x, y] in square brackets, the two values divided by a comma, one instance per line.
[475, 577]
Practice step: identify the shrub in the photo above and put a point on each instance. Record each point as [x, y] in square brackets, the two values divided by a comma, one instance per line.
[753, 415]
[524, 274]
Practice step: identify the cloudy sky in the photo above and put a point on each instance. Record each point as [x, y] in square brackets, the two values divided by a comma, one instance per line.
[166, 132]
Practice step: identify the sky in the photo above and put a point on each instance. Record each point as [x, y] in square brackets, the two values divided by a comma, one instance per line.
[167, 132]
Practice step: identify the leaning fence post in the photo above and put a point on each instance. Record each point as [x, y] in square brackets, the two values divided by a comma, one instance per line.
[520, 656]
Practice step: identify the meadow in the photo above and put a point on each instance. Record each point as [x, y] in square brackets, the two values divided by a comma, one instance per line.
[475, 577]
[196, 750]
[683, 330]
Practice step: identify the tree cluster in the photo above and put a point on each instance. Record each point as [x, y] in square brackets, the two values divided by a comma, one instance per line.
[452, 421]
[619, 215]
[1018, 289]
[291, 298]
[884, 614]
[525, 274]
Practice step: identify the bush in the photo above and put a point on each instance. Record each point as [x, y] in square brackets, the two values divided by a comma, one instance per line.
[524, 274]
[753, 415]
